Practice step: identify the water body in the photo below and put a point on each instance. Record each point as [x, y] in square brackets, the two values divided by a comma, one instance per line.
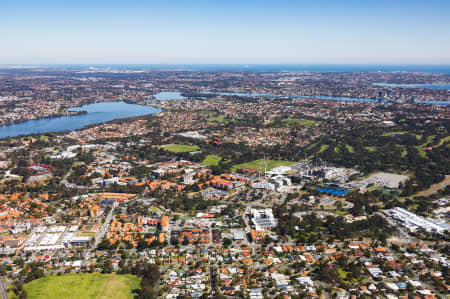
[168, 95]
[96, 113]
[439, 86]
[346, 99]
[326, 98]
[435, 69]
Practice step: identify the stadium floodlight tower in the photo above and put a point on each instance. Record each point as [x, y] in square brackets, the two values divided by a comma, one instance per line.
[265, 165]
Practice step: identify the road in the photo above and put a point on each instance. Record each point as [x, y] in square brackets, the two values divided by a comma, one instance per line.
[64, 179]
[101, 233]
[66, 183]
[212, 280]
[436, 187]
[3, 291]
[162, 271]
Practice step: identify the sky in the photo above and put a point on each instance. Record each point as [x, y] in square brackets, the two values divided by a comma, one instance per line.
[224, 32]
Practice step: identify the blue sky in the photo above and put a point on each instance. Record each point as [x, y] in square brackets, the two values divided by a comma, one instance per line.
[228, 31]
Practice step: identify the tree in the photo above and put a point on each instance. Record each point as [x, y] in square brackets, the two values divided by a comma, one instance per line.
[150, 278]
[107, 267]
[327, 273]
[174, 241]
[227, 242]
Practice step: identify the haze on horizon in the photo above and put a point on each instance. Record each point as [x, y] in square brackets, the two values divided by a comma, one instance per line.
[224, 32]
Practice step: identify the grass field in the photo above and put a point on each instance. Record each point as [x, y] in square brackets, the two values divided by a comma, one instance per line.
[42, 138]
[311, 146]
[220, 119]
[404, 152]
[436, 187]
[394, 133]
[151, 230]
[421, 148]
[350, 148]
[87, 234]
[212, 160]
[296, 122]
[259, 164]
[81, 286]
[370, 148]
[441, 142]
[323, 147]
[179, 148]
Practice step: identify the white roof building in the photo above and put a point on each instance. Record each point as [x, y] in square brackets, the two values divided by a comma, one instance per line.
[413, 222]
[263, 219]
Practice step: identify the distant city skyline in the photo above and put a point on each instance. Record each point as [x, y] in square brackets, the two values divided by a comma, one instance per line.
[224, 32]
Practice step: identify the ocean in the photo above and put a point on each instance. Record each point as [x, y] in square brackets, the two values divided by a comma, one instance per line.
[420, 68]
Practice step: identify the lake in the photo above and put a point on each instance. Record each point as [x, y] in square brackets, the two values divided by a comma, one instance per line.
[96, 113]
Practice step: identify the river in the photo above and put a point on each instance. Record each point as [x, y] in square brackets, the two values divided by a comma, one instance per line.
[326, 98]
[96, 113]
[107, 111]
[438, 86]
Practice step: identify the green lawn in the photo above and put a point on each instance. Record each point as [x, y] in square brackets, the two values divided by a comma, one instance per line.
[394, 133]
[370, 148]
[323, 147]
[422, 152]
[350, 148]
[151, 230]
[404, 152]
[84, 285]
[342, 273]
[259, 164]
[434, 188]
[87, 234]
[341, 212]
[373, 188]
[212, 160]
[219, 119]
[421, 148]
[311, 146]
[295, 122]
[442, 141]
[179, 148]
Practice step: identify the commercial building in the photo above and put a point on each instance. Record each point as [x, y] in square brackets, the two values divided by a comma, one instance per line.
[263, 219]
[80, 242]
[413, 222]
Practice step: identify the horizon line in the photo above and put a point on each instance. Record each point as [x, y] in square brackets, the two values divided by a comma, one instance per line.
[231, 64]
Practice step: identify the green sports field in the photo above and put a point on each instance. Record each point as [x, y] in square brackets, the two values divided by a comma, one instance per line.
[219, 119]
[83, 286]
[296, 122]
[179, 148]
[212, 160]
[259, 164]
